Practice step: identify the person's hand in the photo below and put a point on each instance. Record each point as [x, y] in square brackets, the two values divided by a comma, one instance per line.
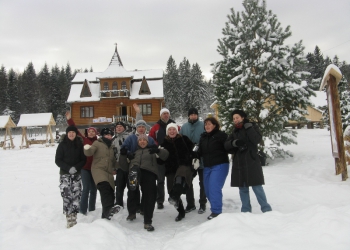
[136, 108]
[248, 125]
[72, 170]
[130, 156]
[87, 146]
[68, 115]
[123, 151]
[154, 150]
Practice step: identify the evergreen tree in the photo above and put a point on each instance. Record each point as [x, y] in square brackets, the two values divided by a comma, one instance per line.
[185, 85]
[43, 87]
[172, 91]
[197, 89]
[55, 93]
[316, 66]
[29, 87]
[13, 102]
[3, 88]
[261, 75]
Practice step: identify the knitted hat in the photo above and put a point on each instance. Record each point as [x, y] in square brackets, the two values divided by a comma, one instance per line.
[121, 123]
[172, 125]
[164, 110]
[92, 128]
[192, 111]
[141, 123]
[239, 112]
[143, 136]
[71, 128]
[106, 131]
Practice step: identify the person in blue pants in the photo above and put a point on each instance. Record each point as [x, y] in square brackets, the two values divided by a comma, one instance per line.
[216, 163]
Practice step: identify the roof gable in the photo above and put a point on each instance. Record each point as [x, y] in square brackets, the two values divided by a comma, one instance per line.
[85, 91]
[6, 122]
[144, 88]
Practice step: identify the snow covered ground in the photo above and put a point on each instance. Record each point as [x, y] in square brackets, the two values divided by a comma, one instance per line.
[311, 208]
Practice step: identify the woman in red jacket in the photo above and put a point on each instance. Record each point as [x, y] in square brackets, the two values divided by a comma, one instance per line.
[89, 187]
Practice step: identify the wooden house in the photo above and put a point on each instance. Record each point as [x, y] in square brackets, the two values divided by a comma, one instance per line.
[103, 98]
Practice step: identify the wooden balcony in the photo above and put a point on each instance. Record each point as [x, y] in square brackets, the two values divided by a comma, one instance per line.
[114, 93]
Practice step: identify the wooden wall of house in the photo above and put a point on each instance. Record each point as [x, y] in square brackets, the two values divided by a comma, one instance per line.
[314, 114]
[117, 80]
[107, 107]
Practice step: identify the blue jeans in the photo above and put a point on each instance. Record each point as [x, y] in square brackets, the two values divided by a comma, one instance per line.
[89, 187]
[214, 180]
[260, 195]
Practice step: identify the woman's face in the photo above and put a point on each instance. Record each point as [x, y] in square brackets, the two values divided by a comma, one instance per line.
[91, 133]
[143, 143]
[108, 136]
[208, 126]
[71, 135]
[237, 118]
[172, 132]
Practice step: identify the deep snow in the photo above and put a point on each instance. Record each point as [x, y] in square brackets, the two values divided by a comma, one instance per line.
[311, 208]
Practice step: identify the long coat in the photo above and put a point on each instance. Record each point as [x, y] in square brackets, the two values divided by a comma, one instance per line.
[103, 163]
[246, 166]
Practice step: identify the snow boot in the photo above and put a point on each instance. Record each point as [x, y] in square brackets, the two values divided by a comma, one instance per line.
[131, 217]
[149, 227]
[115, 209]
[202, 209]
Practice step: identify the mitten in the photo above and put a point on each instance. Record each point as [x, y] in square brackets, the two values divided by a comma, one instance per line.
[123, 151]
[247, 125]
[195, 163]
[87, 146]
[153, 150]
[238, 143]
[72, 170]
[130, 156]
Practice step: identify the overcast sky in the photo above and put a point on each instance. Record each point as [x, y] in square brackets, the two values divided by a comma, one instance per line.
[83, 32]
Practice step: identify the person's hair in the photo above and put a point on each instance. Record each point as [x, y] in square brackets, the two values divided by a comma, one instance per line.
[213, 121]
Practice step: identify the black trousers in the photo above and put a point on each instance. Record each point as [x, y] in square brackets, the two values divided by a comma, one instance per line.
[175, 190]
[161, 184]
[107, 197]
[190, 193]
[122, 181]
[149, 194]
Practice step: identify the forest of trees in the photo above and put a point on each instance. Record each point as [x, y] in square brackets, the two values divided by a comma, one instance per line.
[256, 67]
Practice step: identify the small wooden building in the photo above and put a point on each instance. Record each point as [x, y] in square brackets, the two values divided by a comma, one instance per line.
[102, 98]
[7, 123]
[34, 120]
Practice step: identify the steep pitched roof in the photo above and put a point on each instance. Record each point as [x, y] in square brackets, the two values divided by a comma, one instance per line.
[76, 90]
[144, 88]
[115, 68]
[85, 91]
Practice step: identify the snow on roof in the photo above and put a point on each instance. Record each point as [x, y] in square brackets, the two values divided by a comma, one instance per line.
[156, 88]
[331, 70]
[6, 121]
[39, 119]
[115, 69]
[75, 92]
[149, 74]
[90, 76]
[320, 99]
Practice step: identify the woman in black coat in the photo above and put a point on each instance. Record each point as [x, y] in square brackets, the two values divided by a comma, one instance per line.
[246, 167]
[178, 166]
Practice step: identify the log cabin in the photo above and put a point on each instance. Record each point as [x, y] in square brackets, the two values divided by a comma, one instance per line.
[100, 99]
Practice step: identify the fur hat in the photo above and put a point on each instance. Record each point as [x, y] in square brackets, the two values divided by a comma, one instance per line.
[141, 123]
[192, 111]
[239, 112]
[121, 123]
[106, 131]
[172, 125]
[164, 110]
[143, 136]
[92, 128]
[71, 128]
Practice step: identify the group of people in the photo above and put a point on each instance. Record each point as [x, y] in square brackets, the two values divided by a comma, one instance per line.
[141, 163]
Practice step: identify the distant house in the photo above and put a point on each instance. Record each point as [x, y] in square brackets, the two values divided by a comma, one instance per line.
[102, 98]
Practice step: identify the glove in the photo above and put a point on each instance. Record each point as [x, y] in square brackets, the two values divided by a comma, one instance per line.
[87, 146]
[123, 151]
[238, 143]
[195, 163]
[130, 156]
[153, 150]
[73, 170]
[247, 125]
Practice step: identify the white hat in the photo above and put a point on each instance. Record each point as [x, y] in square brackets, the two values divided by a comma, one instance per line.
[172, 125]
[164, 110]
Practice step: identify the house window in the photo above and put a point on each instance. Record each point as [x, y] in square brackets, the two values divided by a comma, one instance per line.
[123, 85]
[115, 86]
[146, 109]
[105, 86]
[86, 112]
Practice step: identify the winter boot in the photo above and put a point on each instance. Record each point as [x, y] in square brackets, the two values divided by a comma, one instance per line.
[131, 217]
[115, 209]
[73, 219]
[212, 216]
[149, 227]
[202, 209]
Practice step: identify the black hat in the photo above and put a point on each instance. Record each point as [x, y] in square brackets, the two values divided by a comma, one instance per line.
[106, 131]
[192, 111]
[71, 128]
[239, 112]
[121, 123]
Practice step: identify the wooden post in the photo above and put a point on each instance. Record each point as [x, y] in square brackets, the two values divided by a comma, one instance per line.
[330, 81]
